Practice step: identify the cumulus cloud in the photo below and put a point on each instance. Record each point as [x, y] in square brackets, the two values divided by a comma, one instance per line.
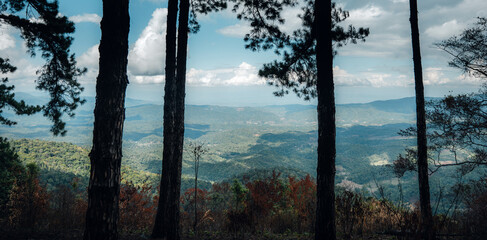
[87, 17]
[242, 75]
[469, 79]
[372, 79]
[7, 40]
[237, 30]
[445, 30]
[147, 79]
[147, 56]
[435, 76]
[90, 58]
[366, 13]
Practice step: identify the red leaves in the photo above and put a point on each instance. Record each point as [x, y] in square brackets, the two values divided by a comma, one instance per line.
[137, 208]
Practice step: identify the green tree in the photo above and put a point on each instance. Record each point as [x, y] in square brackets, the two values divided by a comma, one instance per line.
[102, 215]
[296, 71]
[10, 170]
[49, 35]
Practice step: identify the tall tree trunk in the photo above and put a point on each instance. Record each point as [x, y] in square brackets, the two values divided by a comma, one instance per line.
[325, 211]
[106, 153]
[424, 192]
[167, 219]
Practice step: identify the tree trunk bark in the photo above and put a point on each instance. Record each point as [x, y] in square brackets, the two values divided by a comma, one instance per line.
[106, 153]
[427, 231]
[325, 212]
[167, 219]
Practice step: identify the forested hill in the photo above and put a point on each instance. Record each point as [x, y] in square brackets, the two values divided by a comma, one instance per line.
[63, 163]
[241, 141]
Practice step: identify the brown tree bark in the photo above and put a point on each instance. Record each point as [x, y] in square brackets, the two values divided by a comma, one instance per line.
[325, 212]
[106, 153]
[427, 231]
[167, 219]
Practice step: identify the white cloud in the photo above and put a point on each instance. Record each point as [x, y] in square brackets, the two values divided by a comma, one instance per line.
[435, 76]
[367, 13]
[7, 40]
[148, 54]
[90, 58]
[470, 79]
[445, 30]
[238, 30]
[372, 79]
[243, 75]
[87, 17]
[147, 79]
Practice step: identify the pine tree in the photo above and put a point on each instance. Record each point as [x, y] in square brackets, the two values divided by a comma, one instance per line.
[106, 154]
[306, 68]
[58, 76]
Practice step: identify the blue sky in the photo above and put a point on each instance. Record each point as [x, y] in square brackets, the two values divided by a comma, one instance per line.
[222, 72]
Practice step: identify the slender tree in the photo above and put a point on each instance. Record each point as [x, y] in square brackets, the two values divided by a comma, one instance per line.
[196, 151]
[167, 217]
[424, 192]
[325, 212]
[106, 154]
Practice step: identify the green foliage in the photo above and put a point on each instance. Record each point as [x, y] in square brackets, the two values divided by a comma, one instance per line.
[239, 194]
[297, 68]
[49, 35]
[11, 170]
[7, 99]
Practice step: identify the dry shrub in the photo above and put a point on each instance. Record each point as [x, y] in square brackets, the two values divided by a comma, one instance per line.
[303, 199]
[68, 207]
[137, 208]
[475, 218]
[28, 202]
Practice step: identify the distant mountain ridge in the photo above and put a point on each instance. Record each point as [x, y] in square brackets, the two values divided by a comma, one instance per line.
[144, 118]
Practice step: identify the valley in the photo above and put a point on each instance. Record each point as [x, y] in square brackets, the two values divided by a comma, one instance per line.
[241, 141]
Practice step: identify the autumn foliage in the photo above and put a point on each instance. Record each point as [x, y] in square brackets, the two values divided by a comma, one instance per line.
[272, 207]
[137, 208]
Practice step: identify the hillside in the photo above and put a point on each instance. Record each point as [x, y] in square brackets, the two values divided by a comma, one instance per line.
[241, 141]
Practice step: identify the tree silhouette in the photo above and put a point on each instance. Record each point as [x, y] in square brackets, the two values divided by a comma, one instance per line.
[166, 224]
[106, 154]
[424, 193]
[49, 35]
[325, 227]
